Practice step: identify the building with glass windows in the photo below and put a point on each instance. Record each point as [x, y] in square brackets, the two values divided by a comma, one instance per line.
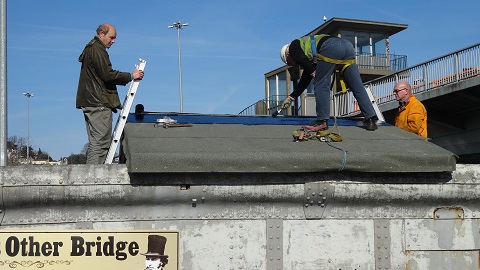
[371, 42]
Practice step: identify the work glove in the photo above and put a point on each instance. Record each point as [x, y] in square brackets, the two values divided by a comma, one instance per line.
[287, 103]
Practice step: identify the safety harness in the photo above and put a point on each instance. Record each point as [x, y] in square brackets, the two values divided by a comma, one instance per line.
[307, 133]
[342, 65]
[304, 134]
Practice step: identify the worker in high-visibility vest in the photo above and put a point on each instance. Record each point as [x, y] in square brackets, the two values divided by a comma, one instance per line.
[319, 56]
[411, 115]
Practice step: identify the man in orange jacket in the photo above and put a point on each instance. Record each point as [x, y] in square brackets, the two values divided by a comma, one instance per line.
[411, 115]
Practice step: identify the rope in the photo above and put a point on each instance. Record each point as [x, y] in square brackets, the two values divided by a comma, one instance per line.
[344, 160]
[323, 136]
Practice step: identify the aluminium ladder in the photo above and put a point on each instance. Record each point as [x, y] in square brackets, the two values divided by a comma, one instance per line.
[375, 104]
[122, 118]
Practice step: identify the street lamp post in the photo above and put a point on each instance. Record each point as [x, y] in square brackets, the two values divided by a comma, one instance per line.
[28, 95]
[179, 27]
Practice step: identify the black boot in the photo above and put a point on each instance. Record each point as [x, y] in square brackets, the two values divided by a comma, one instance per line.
[371, 123]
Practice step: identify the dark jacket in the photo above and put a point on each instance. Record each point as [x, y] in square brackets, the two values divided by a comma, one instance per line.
[97, 86]
[298, 55]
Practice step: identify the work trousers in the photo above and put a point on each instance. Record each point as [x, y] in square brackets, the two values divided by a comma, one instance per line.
[98, 121]
[338, 49]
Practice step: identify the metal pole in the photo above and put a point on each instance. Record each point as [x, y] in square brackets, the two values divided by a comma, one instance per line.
[28, 95]
[3, 83]
[179, 27]
[179, 70]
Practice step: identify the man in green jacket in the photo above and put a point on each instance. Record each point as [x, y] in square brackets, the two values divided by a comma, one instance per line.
[97, 94]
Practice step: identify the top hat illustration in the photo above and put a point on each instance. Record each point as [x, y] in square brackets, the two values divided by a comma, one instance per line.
[156, 246]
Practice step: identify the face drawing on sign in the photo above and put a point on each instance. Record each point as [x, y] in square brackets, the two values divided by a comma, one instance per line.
[155, 257]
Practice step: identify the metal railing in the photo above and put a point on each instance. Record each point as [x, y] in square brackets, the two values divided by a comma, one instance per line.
[381, 61]
[444, 70]
[265, 106]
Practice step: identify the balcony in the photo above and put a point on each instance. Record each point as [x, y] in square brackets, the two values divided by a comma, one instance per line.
[390, 62]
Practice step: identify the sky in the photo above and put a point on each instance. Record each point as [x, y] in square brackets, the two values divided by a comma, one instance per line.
[225, 52]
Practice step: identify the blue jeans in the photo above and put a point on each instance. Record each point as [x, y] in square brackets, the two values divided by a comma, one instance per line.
[339, 49]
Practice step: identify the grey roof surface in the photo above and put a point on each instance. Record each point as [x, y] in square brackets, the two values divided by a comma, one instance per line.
[269, 148]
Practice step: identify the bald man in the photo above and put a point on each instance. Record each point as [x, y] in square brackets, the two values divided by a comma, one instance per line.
[97, 94]
[411, 115]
